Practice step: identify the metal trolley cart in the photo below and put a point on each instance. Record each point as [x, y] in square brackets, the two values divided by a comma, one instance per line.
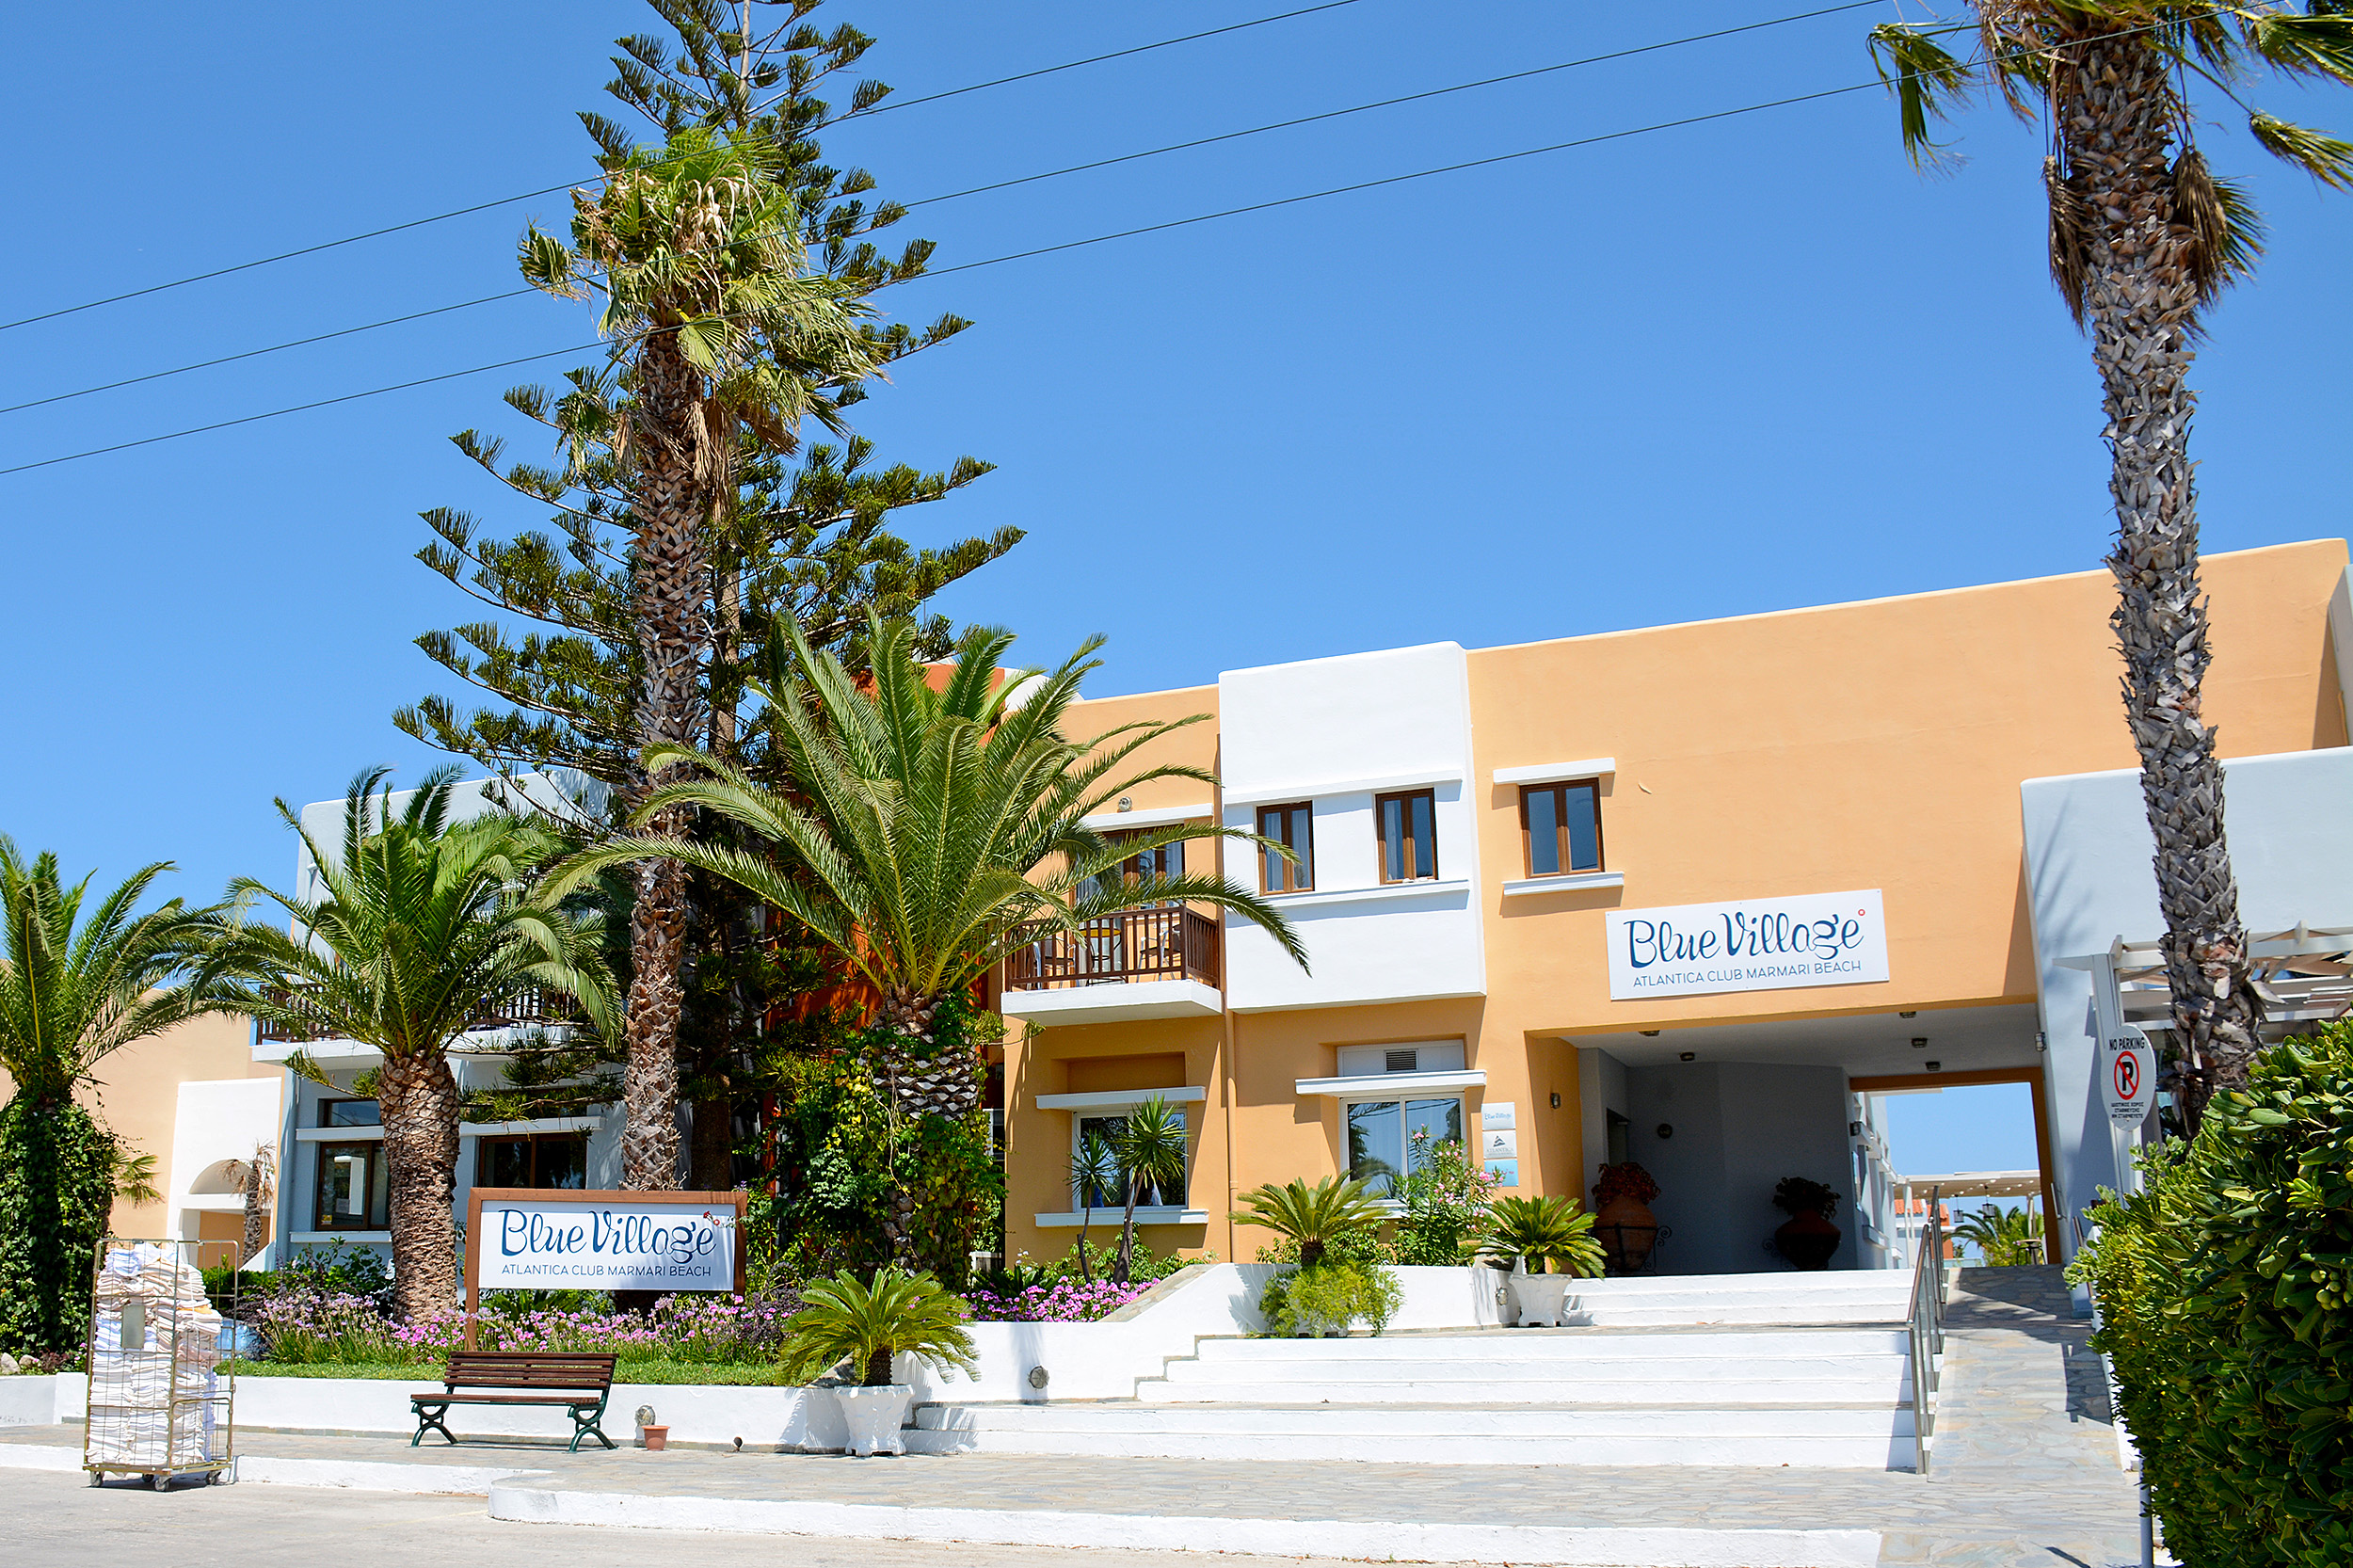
[158, 1405]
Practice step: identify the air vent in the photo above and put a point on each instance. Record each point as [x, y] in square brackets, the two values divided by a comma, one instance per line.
[1399, 1061]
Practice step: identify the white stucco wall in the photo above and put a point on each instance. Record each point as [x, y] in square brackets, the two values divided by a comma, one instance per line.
[2088, 852]
[217, 1120]
[1338, 732]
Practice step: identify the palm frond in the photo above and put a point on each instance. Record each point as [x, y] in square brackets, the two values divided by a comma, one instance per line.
[1929, 81]
[2324, 157]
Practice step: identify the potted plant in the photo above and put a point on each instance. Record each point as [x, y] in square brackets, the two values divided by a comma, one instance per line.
[1808, 1238]
[1538, 1233]
[900, 1314]
[1331, 1289]
[1623, 1221]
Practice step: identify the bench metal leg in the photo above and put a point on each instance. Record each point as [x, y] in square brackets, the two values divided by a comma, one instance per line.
[588, 1422]
[433, 1417]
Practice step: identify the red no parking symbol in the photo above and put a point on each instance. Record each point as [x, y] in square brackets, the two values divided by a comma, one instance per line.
[2127, 1071]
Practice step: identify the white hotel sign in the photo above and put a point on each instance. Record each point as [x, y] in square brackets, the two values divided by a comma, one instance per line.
[1770, 944]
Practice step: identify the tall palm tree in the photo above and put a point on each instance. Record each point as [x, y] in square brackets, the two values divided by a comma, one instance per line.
[2142, 236]
[423, 924]
[257, 1178]
[716, 322]
[74, 990]
[930, 831]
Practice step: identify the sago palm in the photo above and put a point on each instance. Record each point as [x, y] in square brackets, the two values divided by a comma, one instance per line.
[1312, 1217]
[900, 1314]
[2005, 1237]
[2142, 236]
[718, 327]
[931, 831]
[423, 924]
[76, 985]
[1543, 1231]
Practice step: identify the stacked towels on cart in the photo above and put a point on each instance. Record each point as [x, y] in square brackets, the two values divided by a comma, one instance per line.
[154, 1398]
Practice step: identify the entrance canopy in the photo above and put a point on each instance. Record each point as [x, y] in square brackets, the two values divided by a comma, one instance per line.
[1977, 1184]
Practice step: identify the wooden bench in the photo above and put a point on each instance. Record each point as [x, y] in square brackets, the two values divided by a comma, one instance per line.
[577, 1384]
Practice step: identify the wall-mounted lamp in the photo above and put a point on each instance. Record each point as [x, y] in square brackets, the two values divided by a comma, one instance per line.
[1919, 1042]
[1647, 1033]
[1556, 1100]
[1909, 1013]
[1933, 1066]
[1666, 1130]
[1127, 803]
[1690, 1056]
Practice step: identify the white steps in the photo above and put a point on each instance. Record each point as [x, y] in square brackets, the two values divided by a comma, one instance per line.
[1757, 1369]
[1853, 1437]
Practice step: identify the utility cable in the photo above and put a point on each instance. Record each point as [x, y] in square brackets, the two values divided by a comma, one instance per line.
[1032, 179]
[551, 190]
[1069, 245]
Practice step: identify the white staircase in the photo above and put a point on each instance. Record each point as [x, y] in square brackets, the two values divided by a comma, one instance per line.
[1703, 1370]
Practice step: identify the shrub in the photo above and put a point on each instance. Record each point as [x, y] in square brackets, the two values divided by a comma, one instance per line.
[2226, 1289]
[1330, 1299]
[843, 1319]
[56, 1190]
[1626, 1179]
[1446, 1201]
[312, 1328]
[1061, 1301]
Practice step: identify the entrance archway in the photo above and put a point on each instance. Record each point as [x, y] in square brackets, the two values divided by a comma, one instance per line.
[2032, 1078]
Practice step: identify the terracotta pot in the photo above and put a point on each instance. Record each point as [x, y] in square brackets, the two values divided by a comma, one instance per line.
[1626, 1230]
[657, 1438]
[1808, 1240]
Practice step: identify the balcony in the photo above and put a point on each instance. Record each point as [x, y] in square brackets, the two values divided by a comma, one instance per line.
[1143, 964]
[533, 1009]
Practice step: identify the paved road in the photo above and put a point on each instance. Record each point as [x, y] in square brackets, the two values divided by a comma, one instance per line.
[57, 1521]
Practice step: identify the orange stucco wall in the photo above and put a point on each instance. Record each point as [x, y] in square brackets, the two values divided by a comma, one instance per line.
[1876, 745]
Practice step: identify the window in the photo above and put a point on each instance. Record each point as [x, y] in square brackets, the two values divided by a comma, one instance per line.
[1109, 1196]
[354, 1190]
[1152, 865]
[1291, 826]
[551, 1160]
[1561, 823]
[1386, 1139]
[351, 1113]
[1409, 841]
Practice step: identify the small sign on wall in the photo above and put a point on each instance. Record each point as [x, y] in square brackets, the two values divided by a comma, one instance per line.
[1498, 1114]
[1505, 1172]
[1499, 1141]
[1499, 1145]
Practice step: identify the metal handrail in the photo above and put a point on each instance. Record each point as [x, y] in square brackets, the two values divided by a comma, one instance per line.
[1927, 1326]
[534, 1008]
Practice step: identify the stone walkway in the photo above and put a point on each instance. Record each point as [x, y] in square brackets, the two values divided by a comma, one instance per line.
[2025, 1470]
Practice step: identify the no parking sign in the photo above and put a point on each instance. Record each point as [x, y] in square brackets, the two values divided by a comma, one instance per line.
[2128, 1076]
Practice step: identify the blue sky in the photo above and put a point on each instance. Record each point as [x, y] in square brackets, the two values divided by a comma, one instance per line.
[1719, 369]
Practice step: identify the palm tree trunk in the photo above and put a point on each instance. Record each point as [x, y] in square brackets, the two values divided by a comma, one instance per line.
[419, 1098]
[916, 1081]
[255, 1232]
[673, 634]
[2118, 118]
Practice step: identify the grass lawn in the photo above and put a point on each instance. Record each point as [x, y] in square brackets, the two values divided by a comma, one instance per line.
[430, 1371]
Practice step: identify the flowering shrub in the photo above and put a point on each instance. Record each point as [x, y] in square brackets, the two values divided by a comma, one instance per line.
[1062, 1301]
[679, 1328]
[312, 1327]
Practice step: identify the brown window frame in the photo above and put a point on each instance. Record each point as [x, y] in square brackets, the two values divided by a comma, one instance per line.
[322, 1214]
[1407, 842]
[1130, 869]
[537, 1141]
[1295, 876]
[1559, 789]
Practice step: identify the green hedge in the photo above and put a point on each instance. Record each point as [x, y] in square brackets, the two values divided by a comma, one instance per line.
[2224, 1292]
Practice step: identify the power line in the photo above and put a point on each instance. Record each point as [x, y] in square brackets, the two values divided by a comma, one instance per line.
[1020, 255]
[1050, 174]
[1115, 54]
[274, 349]
[1072, 245]
[551, 190]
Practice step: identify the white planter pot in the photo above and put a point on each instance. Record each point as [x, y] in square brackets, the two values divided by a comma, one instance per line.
[874, 1416]
[1542, 1298]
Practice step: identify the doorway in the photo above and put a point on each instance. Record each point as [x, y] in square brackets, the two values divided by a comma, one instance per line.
[1996, 1176]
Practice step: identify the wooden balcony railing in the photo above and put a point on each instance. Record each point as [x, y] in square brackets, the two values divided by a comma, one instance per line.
[530, 1009]
[1168, 943]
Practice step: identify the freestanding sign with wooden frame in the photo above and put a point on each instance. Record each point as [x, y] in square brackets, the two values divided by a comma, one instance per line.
[544, 1239]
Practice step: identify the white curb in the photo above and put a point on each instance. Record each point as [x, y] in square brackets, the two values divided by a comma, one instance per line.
[362, 1475]
[1576, 1547]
